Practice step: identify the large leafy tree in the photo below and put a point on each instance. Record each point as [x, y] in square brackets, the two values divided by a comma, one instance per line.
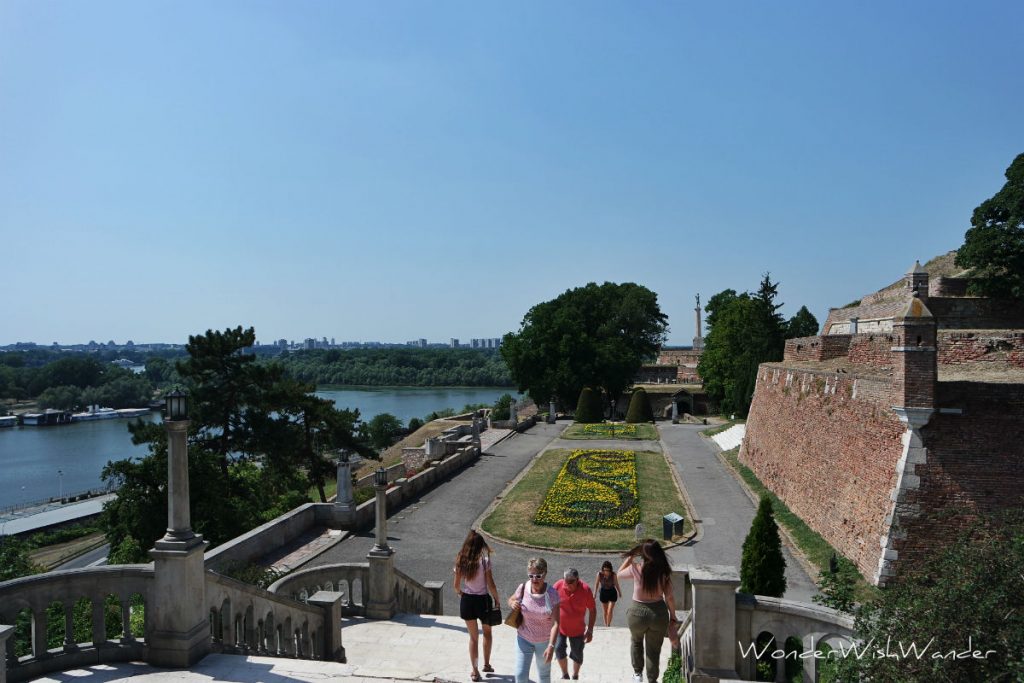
[744, 330]
[802, 324]
[967, 597]
[596, 335]
[256, 442]
[994, 245]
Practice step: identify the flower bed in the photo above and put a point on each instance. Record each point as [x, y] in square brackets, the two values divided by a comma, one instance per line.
[609, 429]
[595, 489]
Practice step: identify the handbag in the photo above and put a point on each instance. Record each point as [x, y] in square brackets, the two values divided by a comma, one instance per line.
[515, 617]
[493, 617]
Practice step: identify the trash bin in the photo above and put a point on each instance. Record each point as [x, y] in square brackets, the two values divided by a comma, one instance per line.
[671, 525]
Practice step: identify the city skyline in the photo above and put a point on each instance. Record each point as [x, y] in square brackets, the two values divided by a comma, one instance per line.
[374, 169]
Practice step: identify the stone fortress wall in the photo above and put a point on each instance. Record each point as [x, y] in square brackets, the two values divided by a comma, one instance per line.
[888, 440]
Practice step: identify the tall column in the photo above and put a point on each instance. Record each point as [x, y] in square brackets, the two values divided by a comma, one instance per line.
[344, 501]
[675, 411]
[381, 603]
[177, 630]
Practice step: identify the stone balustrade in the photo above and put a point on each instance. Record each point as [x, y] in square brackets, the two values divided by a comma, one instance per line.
[245, 619]
[103, 599]
[352, 579]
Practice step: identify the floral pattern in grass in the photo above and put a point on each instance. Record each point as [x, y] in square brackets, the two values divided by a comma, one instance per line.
[609, 429]
[595, 489]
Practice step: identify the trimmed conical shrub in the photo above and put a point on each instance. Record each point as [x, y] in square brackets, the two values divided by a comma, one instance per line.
[588, 408]
[763, 568]
[639, 408]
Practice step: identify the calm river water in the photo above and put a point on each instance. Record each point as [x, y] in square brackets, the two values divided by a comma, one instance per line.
[31, 456]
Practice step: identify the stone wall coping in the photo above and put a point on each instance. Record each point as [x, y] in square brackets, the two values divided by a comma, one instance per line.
[115, 571]
[228, 546]
[763, 603]
[714, 574]
[328, 569]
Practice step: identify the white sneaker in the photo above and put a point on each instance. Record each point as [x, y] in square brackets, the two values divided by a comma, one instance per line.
[638, 678]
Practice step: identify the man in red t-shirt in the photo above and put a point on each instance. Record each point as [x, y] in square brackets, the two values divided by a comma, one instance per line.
[574, 600]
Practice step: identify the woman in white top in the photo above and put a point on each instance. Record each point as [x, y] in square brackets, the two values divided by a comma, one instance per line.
[474, 584]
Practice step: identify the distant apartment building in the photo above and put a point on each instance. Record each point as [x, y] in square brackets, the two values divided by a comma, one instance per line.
[487, 343]
[454, 343]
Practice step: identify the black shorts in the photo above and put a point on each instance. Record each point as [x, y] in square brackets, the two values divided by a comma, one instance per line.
[608, 595]
[575, 648]
[474, 606]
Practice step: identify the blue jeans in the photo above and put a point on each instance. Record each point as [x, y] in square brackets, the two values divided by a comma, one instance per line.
[524, 649]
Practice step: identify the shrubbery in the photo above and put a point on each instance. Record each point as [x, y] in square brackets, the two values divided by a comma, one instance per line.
[588, 408]
[639, 408]
[763, 568]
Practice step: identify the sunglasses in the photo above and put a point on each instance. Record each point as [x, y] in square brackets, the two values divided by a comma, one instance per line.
[536, 576]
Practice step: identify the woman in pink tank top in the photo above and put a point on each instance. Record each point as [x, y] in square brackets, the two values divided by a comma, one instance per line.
[474, 584]
[653, 608]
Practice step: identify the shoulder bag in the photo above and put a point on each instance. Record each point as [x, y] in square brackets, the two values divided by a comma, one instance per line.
[515, 617]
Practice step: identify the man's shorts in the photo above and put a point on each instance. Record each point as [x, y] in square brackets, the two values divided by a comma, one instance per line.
[575, 647]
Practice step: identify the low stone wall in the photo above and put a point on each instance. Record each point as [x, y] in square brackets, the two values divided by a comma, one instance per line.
[255, 544]
[995, 346]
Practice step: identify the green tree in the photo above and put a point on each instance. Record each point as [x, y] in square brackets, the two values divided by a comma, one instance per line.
[14, 559]
[994, 244]
[763, 567]
[588, 407]
[596, 335]
[803, 324]
[837, 588]
[383, 430]
[744, 331]
[502, 408]
[969, 591]
[639, 407]
[61, 398]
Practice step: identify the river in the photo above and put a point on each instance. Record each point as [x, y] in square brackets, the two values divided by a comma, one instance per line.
[31, 457]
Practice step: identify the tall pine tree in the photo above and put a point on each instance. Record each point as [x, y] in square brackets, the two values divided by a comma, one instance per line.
[763, 568]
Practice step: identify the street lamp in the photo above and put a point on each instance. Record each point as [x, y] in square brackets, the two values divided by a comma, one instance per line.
[380, 477]
[176, 405]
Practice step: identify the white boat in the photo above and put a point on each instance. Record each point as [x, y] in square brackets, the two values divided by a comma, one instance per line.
[8, 421]
[132, 412]
[95, 414]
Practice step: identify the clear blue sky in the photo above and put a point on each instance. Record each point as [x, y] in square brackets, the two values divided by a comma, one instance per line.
[368, 170]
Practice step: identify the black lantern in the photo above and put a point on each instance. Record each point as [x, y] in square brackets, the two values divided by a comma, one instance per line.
[176, 404]
[380, 477]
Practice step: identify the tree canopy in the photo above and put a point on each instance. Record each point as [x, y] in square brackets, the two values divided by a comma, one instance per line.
[257, 441]
[596, 335]
[802, 324]
[744, 330]
[994, 244]
[967, 597]
[763, 567]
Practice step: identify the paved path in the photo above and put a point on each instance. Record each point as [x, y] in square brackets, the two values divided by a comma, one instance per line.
[721, 504]
[380, 651]
[428, 532]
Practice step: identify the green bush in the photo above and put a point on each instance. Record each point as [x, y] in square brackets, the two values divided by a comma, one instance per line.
[502, 408]
[362, 494]
[674, 669]
[414, 424]
[588, 408]
[763, 568]
[639, 408]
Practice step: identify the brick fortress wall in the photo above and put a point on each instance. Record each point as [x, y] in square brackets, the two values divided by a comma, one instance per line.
[827, 444]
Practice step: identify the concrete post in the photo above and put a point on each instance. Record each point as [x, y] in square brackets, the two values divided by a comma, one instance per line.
[675, 411]
[513, 413]
[714, 620]
[476, 434]
[382, 603]
[5, 633]
[344, 501]
[177, 632]
[436, 589]
[552, 414]
[330, 602]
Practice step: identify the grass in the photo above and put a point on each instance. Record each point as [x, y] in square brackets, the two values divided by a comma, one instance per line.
[722, 427]
[811, 544]
[512, 519]
[644, 432]
[50, 556]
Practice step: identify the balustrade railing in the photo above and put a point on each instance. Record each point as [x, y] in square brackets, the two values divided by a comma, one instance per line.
[350, 578]
[75, 617]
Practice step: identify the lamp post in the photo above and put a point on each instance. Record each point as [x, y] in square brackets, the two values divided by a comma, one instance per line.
[380, 483]
[382, 602]
[60, 485]
[179, 524]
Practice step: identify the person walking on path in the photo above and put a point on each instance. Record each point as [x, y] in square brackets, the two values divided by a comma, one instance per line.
[608, 590]
[653, 609]
[474, 584]
[536, 636]
[575, 599]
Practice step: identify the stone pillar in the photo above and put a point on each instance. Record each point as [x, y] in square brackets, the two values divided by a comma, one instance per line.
[344, 501]
[714, 619]
[177, 633]
[330, 602]
[675, 411]
[476, 434]
[382, 603]
[5, 633]
[513, 413]
[552, 412]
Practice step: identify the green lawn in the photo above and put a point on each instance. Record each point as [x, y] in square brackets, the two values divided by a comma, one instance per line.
[512, 519]
[609, 430]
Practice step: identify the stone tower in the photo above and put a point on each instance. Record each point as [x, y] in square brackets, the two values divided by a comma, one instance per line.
[698, 341]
